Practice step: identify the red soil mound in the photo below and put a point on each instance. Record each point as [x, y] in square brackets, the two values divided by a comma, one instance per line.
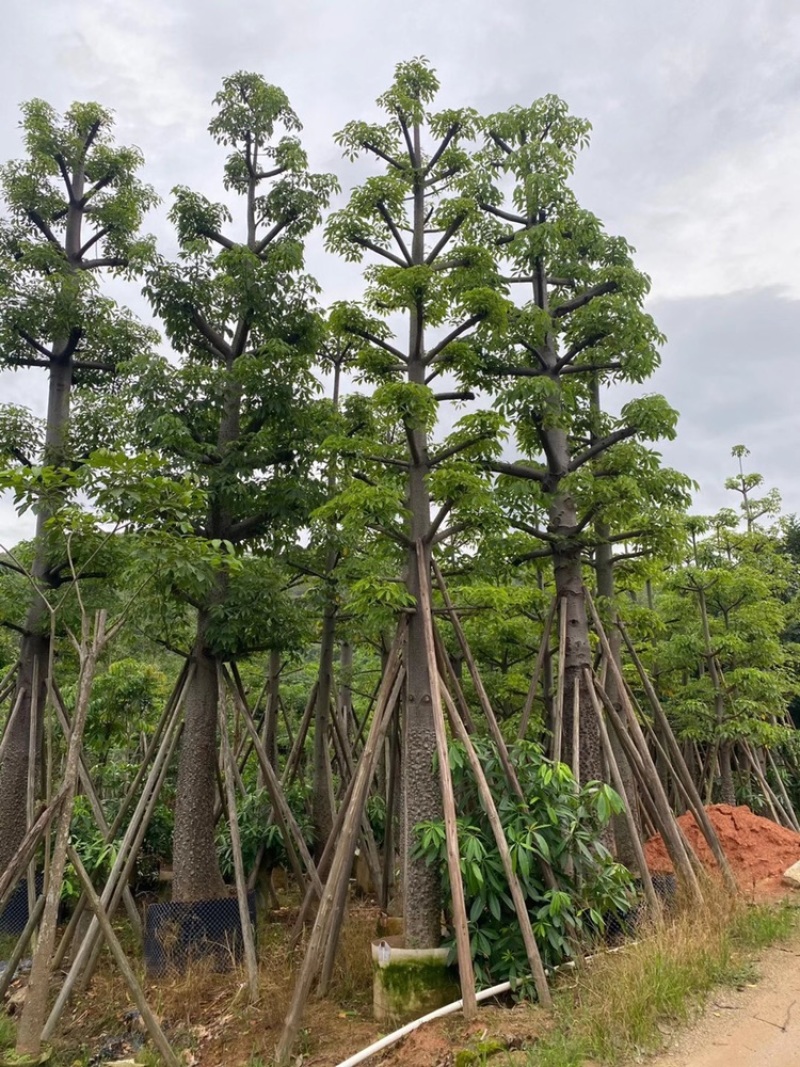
[758, 850]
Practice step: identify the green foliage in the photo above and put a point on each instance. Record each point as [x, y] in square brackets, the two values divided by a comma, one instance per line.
[560, 825]
[257, 830]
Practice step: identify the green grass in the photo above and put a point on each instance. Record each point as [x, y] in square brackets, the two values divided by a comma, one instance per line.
[621, 1001]
[7, 1036]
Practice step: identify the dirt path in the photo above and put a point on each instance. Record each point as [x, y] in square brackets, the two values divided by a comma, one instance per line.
[757, 1027]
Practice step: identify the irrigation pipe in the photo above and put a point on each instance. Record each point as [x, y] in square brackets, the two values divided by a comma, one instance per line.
[450, 1009]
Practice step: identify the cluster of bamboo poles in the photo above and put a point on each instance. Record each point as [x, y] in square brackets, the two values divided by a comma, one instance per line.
[655, 759]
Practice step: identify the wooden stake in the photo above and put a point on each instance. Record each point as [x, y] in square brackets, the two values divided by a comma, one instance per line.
[341, 865]
[537, 670]
[251, 963]
[653, 794]
[85, 960]
[27, 847]
[619, 785]
[520, 905]
[282, 813]
[679, 766]
[465, 972]
[469, 659]
[139, 999]
[787, 804]
[576, 729]
[558, 726]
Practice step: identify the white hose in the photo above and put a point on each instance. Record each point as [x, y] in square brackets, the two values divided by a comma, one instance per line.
[450, 1009]
[391, 1039]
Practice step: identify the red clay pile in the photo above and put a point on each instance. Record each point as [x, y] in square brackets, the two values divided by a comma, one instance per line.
[758, 850]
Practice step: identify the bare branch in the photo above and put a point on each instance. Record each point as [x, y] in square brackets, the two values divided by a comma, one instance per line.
[214, 339]
[440, 245]
[380, 343]
[383, 155]
[387, 218]
[507, 216]
[93, 241]
[437, 155]
[43, 228]
[584, 298]
[518, 470]
[453, 450]
[601, 445]
[438, 349]
[366, 243]
[110, 261]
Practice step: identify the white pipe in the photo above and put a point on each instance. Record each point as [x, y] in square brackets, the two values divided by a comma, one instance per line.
[450, 1009]
[391, 1039]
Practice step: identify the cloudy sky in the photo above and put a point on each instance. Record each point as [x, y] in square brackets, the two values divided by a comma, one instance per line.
[695, 152]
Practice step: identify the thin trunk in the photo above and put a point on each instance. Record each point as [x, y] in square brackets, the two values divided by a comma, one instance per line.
[322, 802]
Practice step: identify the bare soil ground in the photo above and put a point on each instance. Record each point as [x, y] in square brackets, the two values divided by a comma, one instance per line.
[756, 1026]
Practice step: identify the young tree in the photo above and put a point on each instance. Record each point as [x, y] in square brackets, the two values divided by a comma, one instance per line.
[412, 217]
[583, 324]
[74, 208]
[239, 412]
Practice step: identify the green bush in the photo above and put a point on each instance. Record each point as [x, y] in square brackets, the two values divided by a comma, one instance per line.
[561, 825]
[255, 830]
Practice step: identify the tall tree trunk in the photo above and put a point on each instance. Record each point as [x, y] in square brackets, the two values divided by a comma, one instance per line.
[422, 797]
[196, 866]
[322, 802]
[35, 644]
[577, 654]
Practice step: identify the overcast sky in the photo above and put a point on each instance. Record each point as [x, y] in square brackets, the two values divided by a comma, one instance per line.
[695, 153]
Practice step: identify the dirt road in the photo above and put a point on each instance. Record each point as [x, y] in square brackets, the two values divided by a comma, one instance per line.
[757, 1027]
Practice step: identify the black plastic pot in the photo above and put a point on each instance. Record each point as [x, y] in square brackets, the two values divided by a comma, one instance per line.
[179, 933]
[14, 915]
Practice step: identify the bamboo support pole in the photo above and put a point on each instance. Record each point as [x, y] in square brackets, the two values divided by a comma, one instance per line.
[537, 670]
[251, 963]
[370, 847]
[97, 808]
[520, 905]
[679, 765]
[137, 994]
[619, 785]
[652, 794]
[86, 957]
[393, 677]
[450, 677]
[342, 861]
[787, 803]
[282, 813]
[27, 847]
[292, 762]
[11, 715]
[576, 730]
[466, 973]
[391, 803]
[469, 659]
[558, 725]
[776, 808]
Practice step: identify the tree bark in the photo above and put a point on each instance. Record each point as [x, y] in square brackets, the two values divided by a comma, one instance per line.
[196, 865]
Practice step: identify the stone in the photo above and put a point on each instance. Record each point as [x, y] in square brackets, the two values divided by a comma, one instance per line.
[792, 876]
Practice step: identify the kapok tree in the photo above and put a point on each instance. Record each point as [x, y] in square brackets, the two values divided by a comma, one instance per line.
[240, 413]
[412, 219]
[578, 324]
[723, 666]
[74, 207]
